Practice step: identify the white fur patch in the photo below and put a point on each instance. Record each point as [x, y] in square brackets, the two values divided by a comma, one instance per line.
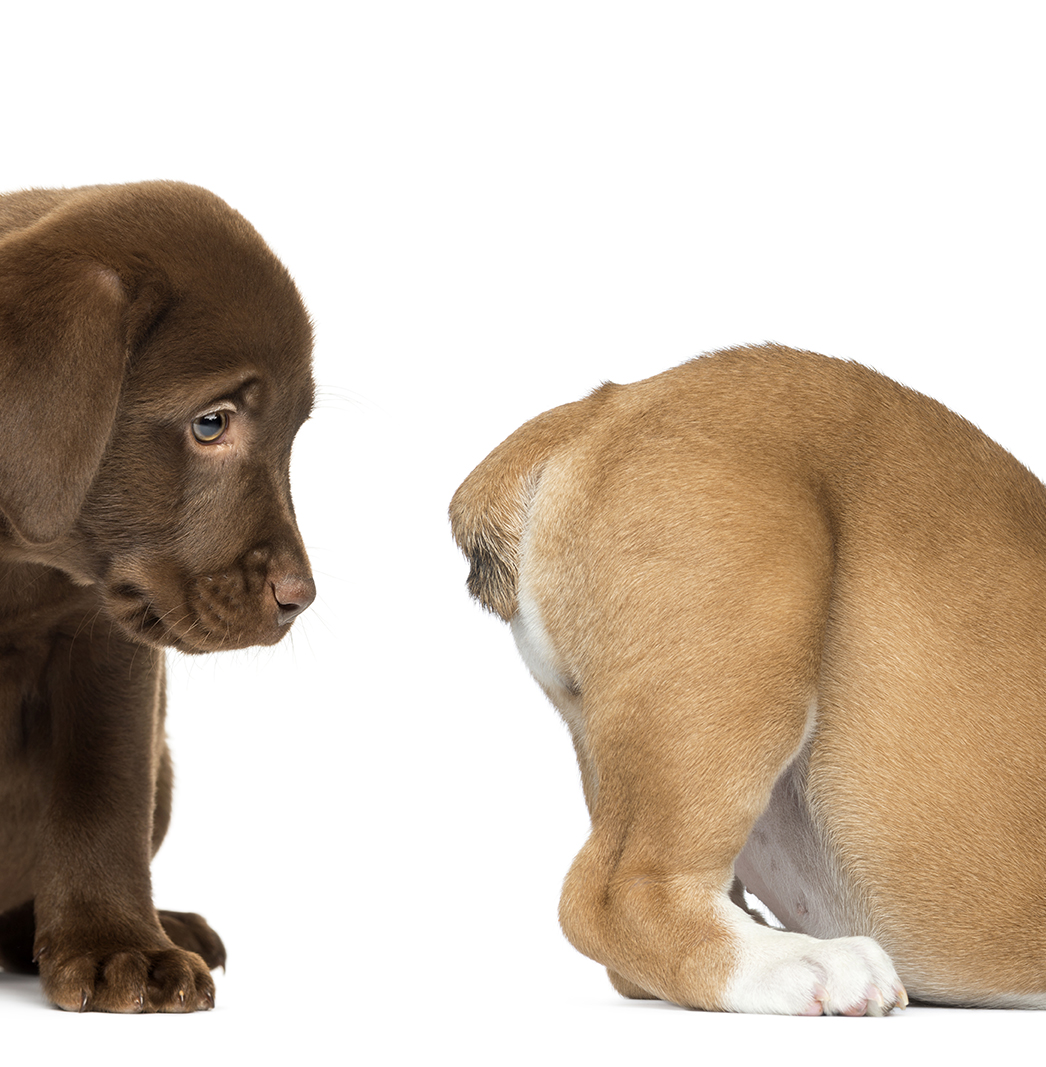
[781, 973]
[533, 641]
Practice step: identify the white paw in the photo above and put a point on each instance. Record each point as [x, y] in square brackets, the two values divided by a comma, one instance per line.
[781, 973]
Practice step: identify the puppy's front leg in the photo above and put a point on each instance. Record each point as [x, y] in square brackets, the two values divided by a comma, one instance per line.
[693, 701]
[648, 896]
[99, 942]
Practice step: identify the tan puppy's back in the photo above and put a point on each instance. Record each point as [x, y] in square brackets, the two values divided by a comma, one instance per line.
[865, 572]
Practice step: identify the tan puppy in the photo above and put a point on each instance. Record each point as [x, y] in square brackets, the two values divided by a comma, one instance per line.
[792, 613]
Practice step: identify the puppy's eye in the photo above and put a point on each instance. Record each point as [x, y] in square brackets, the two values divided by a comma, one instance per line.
[208, 428]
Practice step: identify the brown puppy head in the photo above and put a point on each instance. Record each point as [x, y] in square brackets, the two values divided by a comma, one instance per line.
[154, 370]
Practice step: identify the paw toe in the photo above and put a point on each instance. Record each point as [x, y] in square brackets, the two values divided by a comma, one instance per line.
[130, 982]
[179, 982]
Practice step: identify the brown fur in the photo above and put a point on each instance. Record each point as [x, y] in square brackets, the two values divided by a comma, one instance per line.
[126, 313]
[706, 551]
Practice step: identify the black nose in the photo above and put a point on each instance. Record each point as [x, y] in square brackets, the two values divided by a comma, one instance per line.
[293, 595]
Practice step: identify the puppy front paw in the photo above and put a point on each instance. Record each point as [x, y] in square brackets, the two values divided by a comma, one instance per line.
[130, 980]
[784, 973]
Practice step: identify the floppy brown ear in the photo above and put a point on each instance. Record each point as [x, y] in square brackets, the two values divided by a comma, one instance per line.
[63, 347]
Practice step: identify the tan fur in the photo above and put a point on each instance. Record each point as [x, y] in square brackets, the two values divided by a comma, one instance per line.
[767, 560]
[127, 315]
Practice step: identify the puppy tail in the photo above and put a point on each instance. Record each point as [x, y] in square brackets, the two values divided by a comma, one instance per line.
[489, 511]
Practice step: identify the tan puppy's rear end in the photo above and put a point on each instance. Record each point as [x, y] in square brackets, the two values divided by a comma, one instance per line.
[792, 614]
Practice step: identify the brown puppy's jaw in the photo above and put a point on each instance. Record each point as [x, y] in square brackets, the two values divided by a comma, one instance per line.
[252, 602]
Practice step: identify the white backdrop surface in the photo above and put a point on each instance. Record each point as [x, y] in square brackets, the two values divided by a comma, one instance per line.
[491, 208]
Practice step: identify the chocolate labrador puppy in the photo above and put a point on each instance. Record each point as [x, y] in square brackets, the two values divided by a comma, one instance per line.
[154, 369]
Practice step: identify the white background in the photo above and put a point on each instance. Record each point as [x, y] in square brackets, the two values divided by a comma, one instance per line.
[491, 208]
